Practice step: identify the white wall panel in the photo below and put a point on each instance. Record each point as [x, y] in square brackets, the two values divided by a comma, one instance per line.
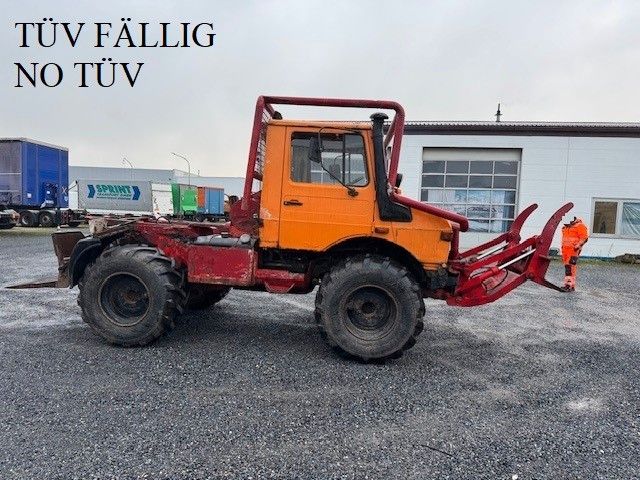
[553, 170]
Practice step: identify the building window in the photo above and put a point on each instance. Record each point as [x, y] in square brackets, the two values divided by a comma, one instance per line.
[605, 217]
[481, 184]
[620, 218]
[342, 159]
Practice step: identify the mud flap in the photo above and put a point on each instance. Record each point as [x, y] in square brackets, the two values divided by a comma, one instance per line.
[492, 270]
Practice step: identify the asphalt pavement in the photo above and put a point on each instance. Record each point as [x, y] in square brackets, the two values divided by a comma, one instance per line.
[537, 385]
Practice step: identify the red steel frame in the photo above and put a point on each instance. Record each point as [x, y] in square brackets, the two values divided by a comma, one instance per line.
[223, 266]
[489, 271]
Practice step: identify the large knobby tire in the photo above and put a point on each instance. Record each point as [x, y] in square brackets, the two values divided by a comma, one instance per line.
[131, 295]
[200, 297]
[370, 307]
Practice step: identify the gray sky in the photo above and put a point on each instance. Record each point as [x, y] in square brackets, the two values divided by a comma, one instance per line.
[449, 60]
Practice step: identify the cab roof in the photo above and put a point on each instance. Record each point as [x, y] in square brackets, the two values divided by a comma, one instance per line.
[347, 125]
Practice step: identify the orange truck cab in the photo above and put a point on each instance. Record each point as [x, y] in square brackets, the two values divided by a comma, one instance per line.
[317, 204]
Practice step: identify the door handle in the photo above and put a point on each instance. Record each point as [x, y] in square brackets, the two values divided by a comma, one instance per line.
[293, 202]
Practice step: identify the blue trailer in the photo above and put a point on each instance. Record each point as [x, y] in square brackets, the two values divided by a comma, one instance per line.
[34, 179]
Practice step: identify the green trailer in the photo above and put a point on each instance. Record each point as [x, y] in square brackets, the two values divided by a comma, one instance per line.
[185, 200]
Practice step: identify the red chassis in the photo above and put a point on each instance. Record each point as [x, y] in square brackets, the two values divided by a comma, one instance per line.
[484, 273]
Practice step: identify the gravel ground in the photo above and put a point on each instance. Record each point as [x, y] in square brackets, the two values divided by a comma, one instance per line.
[537, 385]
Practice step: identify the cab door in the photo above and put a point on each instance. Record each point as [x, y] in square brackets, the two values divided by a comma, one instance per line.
[329, 197]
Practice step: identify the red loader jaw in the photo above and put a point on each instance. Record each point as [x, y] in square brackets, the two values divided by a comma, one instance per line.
[489, 271]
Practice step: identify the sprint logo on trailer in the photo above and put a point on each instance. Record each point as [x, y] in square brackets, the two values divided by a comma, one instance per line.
[113, 192]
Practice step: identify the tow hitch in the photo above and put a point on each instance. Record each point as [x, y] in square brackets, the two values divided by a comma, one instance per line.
[491, 270]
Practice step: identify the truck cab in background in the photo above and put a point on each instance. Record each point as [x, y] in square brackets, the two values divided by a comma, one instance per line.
[34, 178]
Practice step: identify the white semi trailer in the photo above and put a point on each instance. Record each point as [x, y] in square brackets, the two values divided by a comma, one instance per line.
[102, 197]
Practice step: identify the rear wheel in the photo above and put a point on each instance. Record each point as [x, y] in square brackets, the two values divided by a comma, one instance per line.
[131, 295]
[27, 219]
[370, 307]
[203, 296]
[46, 219]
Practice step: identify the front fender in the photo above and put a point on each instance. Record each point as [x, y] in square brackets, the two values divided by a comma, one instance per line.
[85, 252]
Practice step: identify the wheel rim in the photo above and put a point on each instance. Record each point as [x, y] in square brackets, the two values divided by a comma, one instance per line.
[370, 312]
[124, 299]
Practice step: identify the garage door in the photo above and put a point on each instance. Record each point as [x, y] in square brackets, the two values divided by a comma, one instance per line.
[480, 183]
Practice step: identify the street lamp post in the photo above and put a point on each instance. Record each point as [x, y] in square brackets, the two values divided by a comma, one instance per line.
[188, 165]
[124, 160]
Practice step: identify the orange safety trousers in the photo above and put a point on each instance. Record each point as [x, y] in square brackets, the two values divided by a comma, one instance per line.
[574, 236]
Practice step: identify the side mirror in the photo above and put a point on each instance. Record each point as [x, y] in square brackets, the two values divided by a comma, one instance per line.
[315, 149]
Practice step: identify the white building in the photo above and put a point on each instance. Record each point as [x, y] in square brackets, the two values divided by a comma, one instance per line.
[490, 171]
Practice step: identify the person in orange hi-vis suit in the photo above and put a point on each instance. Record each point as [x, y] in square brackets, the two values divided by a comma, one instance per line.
[574, 235]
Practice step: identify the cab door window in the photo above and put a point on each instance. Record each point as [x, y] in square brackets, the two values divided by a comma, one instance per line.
[342, 159]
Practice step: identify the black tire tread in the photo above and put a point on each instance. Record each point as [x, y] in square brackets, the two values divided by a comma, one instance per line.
[49, 220]
[350, 266]
[164, 267]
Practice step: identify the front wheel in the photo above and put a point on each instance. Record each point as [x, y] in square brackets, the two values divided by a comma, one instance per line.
[370, 307]
[131, 295]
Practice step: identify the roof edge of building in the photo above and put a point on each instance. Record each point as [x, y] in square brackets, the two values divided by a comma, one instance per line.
[585, 129]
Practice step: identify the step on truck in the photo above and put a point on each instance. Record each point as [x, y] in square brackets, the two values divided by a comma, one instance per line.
[321, 208]
[34, 180]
